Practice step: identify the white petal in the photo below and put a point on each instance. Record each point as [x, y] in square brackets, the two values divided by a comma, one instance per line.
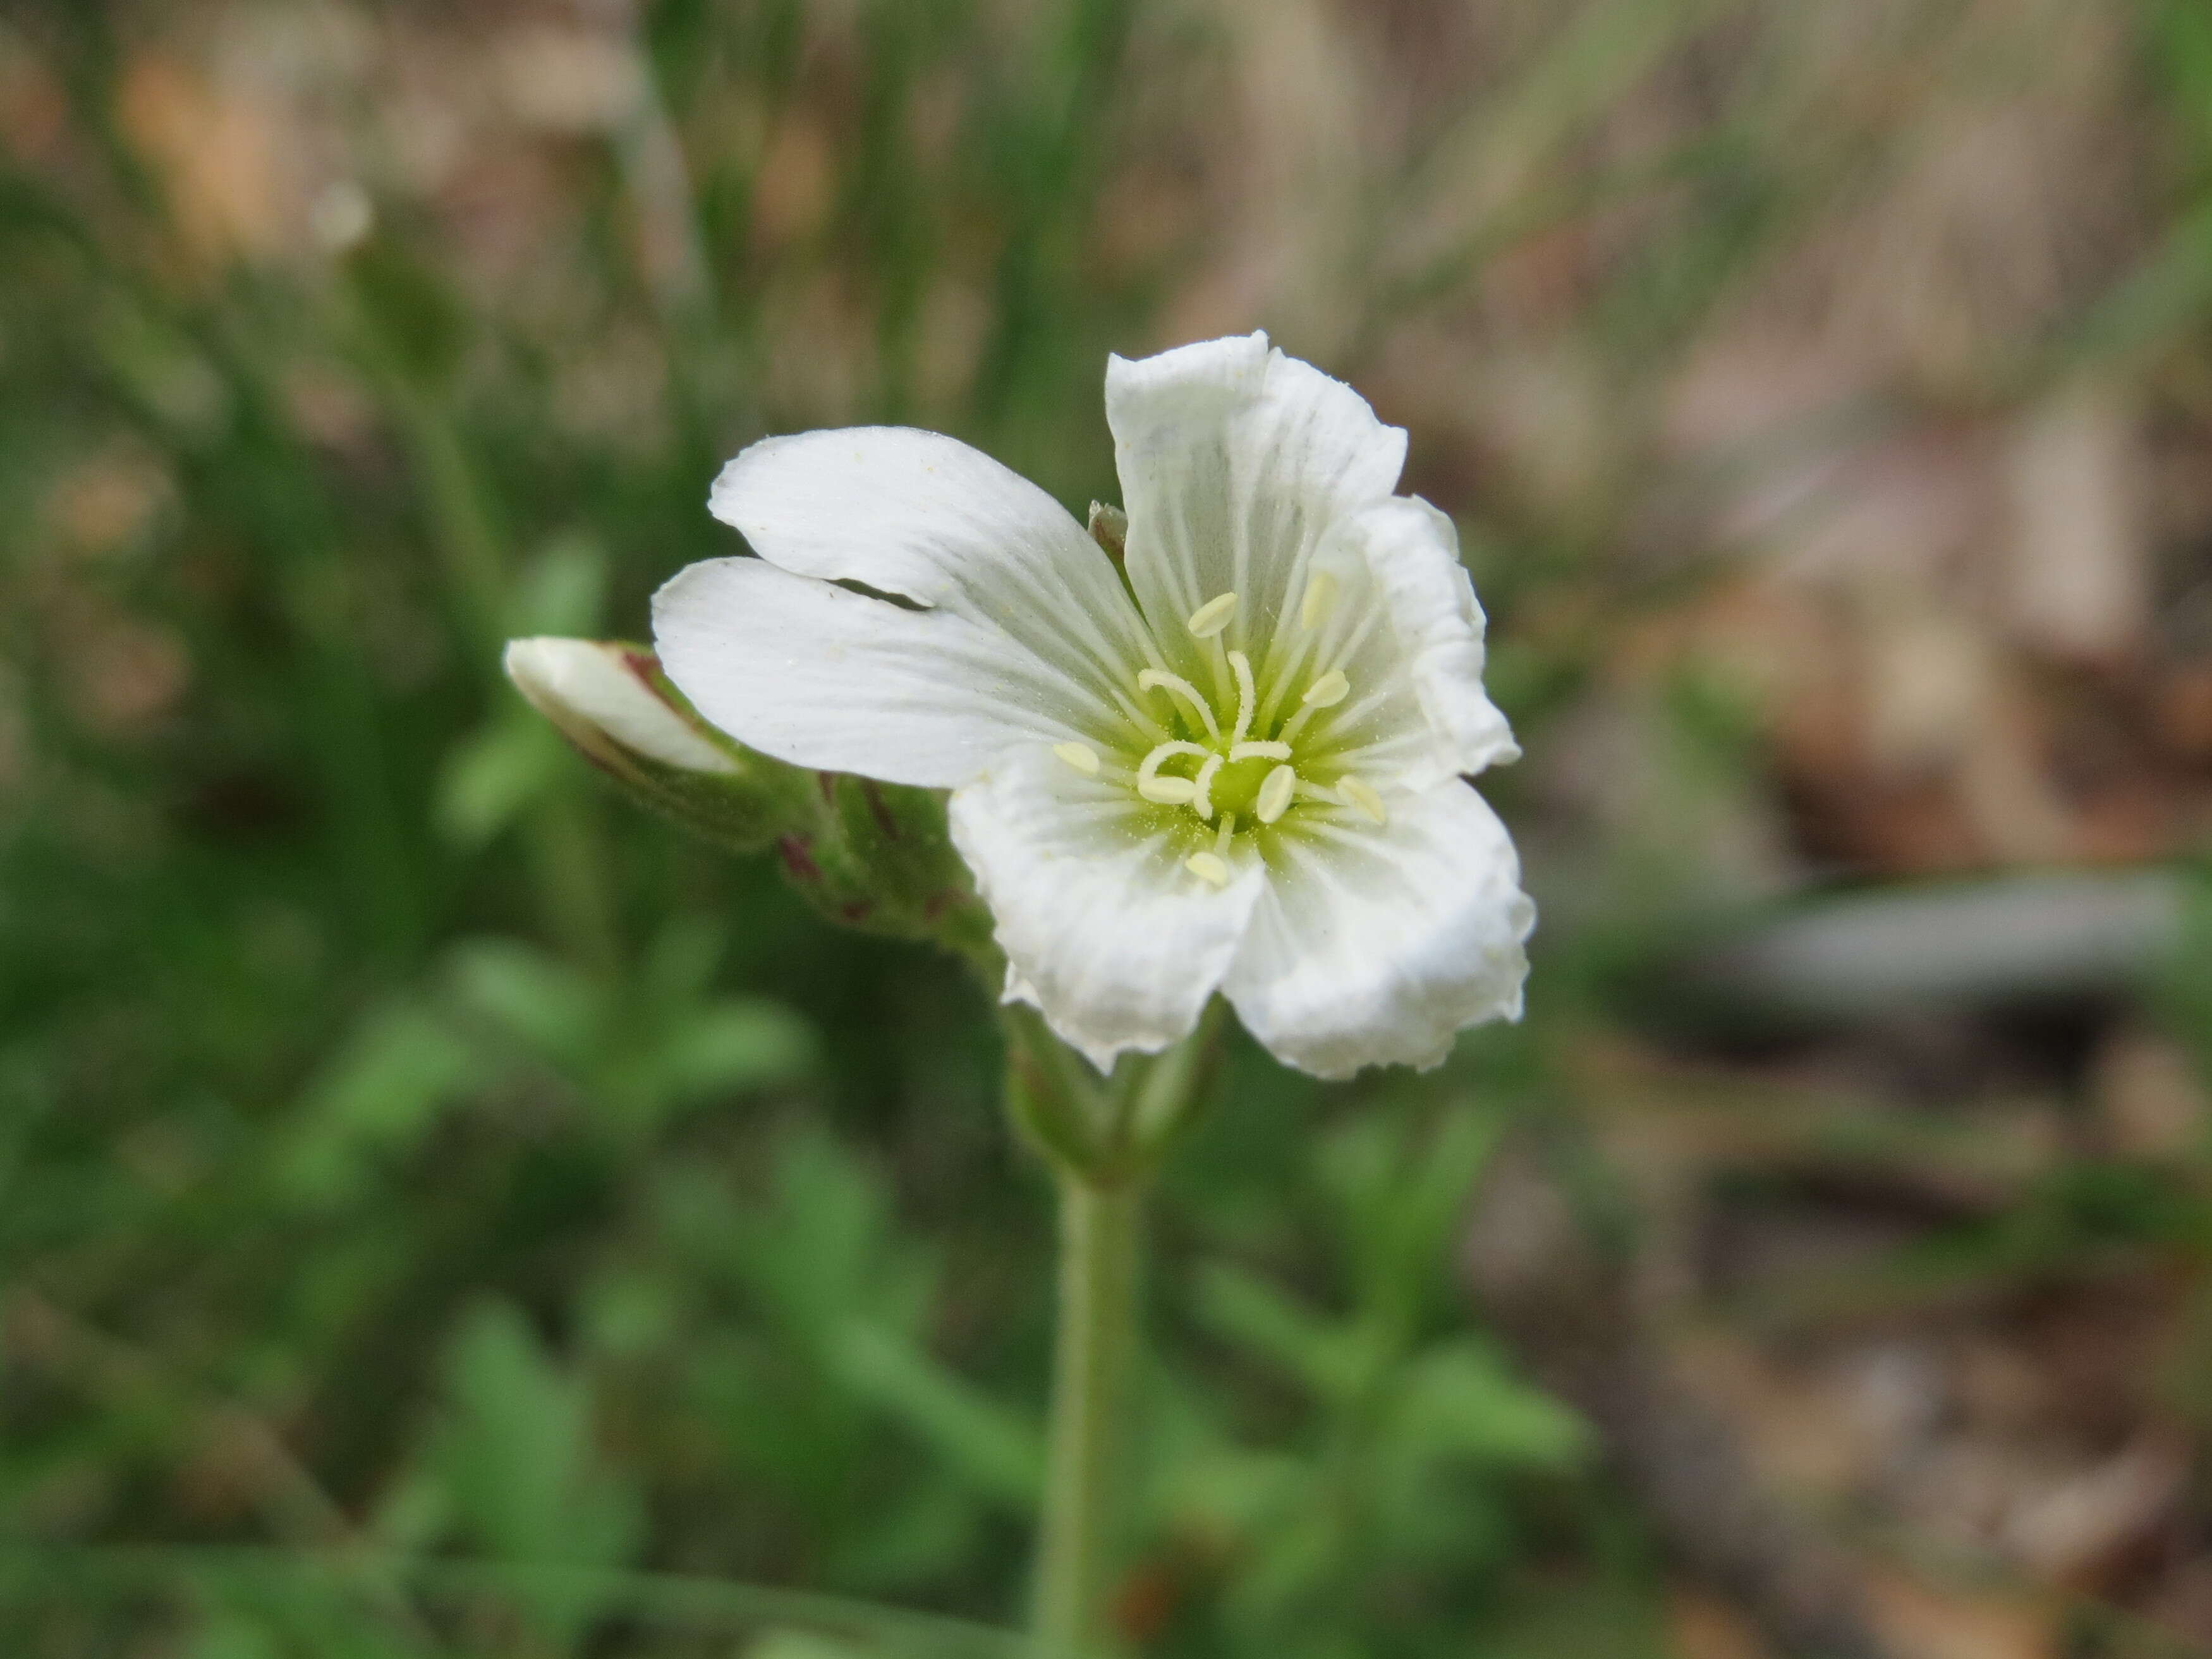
[1105, 930]
[1405, 555]
[822, 677]
[1373, 945]
[924, 516]
[585, 683]
[1234, 460]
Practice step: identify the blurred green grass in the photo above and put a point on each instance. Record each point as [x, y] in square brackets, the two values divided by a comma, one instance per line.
[409, 1157]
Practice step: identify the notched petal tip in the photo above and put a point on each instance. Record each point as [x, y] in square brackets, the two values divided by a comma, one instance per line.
[1229, 368]
[1234, 459]
[931, 523]
[1237, 350]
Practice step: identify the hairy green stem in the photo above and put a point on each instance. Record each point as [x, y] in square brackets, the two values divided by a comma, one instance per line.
[1103, 1140]
[1092, 1359]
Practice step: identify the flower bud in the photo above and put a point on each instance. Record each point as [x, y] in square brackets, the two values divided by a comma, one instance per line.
[611, 702]
[1109, 528]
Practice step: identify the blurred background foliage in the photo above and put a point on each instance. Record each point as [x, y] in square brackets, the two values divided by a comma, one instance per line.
[443, 1212]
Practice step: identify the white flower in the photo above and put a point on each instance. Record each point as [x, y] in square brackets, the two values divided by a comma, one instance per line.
[1242, 770]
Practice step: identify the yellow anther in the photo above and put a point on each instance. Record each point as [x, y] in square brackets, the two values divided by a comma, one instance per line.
[1168, 791]
[1244, 751]
[1330, 689]
[1356, 793]
[1208, 868]
[1247, 697]
[1321, 597]
[1201, 799]
[1275, 793]
[1152, 679]
[1080, 755]
[1212, 616]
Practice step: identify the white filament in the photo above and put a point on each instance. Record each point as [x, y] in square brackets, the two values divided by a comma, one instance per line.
[1153, 678]
[1246, 698]
[1201, 799]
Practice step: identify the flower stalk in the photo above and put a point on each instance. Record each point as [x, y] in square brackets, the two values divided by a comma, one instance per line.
[1103, 1143]
[1094, 1352]
[1210, 748]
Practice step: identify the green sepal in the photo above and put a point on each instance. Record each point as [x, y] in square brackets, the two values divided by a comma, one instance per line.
[1055, 1103]
[883, 861]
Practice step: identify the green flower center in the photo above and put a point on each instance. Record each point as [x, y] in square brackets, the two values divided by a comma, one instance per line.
[1216, 766]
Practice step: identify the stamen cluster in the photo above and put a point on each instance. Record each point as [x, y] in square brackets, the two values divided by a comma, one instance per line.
[1235, 775]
